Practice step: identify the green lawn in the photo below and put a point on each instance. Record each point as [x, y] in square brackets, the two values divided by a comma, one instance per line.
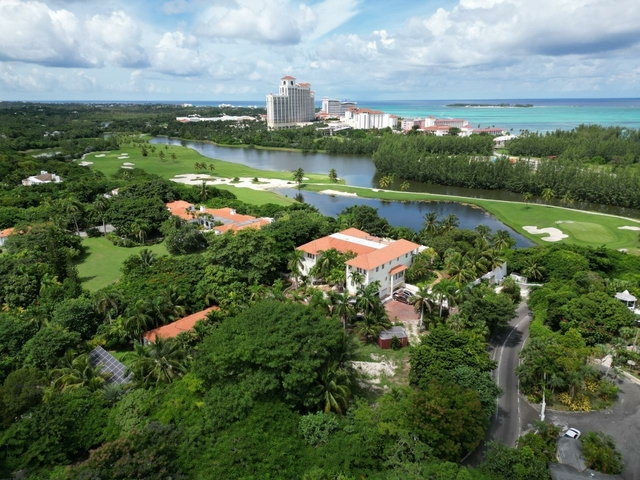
[257, 197]
[584, 228]
[184, 163]
[101, 266]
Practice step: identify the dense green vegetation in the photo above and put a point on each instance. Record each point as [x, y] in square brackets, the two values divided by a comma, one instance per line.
[576, 317]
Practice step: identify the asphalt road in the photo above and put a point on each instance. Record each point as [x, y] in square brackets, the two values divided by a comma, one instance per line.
[506, 425]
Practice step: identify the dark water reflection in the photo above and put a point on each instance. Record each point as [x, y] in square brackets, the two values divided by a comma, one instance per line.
[409, 214]
[357, 170]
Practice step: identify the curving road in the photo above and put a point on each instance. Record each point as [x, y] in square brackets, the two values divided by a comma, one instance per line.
[505, 424]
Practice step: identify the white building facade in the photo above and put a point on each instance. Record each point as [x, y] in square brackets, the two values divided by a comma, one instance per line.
[364, 119]
[293, 105]
[377, 259]
[335, 108]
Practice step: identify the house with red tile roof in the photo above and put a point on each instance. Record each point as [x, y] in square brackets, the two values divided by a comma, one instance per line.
[4, 234]
[174, 329]
[218, 220]
[377, 259]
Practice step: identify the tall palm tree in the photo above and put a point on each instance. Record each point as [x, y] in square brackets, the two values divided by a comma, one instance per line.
[443, 290]
[532, 269]
[101, 205]
[173, 302]
[357, 278]
[203, 192]
[333, 175]
[159, 362]
[368, 300]
[421, 300]
[341, 306]
[450, 222]
[547, 195]
[76, 372]
[295, 264]
[138, 319]
[567, 199]
[405, 186]
[369, 325]
[139, 230]
[73, 208]
[107, 302]
[459, 269]
[502, 240]
[334, 385]
[386, 181]
[477, 261]
[326, 262]
[430, 223]
[483, 231]
[526, 198]
[212, 167]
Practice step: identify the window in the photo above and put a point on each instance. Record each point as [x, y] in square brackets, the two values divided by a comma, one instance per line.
[377, 268]
[383, 266]
[406, 255]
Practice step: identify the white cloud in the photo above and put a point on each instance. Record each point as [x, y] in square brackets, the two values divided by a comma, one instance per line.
[275, 22]
[32, 32]
[39, 79]
[177, 54]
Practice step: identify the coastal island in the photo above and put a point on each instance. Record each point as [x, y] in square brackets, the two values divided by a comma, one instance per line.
[490, 105]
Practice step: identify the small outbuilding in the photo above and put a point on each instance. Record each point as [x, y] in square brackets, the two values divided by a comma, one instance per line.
[385, 338]
[628, 299]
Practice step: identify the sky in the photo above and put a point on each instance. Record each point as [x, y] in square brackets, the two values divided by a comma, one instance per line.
[205, 50]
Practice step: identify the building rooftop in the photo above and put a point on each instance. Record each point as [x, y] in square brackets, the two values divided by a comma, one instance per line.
[6, 232]
[387, 254]
[174, 329]
[389, 333]
[626, 296]
[288, 77]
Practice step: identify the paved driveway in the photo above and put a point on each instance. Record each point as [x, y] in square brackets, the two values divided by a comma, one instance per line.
[622, 422]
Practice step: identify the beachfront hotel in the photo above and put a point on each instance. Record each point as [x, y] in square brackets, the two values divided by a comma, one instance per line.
[292, 106]
[335, 108]
[364, 118]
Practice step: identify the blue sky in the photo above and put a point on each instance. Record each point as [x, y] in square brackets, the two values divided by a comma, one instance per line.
[359, 49]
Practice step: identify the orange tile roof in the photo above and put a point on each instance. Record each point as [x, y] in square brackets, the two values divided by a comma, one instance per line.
[398, 269]
[234, 227]
[6, 232]
[327, 243]
[288, 77]
[383, 255]
[179, 209]
[174, 329]
[227, 213]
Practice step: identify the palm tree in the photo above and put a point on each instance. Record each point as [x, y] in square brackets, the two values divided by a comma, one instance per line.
[72, 207]
[567, 199]
[421, 300]
[138, 319]
[502, 240]
[450, 222]
[526, 198]
[430, 223]
[386, 181]
[101, 205]
[369, 325]
[357, 278]
[368, 300]
[76, 372]
[161, 155]
[341, 306]
[139, 230]
[174, 157]
[106, 302]
[532, 270]
[459, 270]
[147, 257]
[298, 176]
[196, 166]
[327, 261]
[483, 231]
[334, 385]
[405, 186]
[547, 195]
[333, 175]
[477, 261]
[295, 265]
[443, 290]
[112, 392]
[159, 362]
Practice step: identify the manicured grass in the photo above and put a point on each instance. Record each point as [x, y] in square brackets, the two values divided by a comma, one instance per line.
[584, 228]
[101, 266]
[257, 197]
[184, 163]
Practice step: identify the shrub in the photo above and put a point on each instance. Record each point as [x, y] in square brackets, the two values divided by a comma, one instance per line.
[316, 428]
[600, 453]
[396, 344]
[93, 232]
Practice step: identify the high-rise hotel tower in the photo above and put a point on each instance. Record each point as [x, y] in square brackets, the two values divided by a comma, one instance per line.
[293, 105]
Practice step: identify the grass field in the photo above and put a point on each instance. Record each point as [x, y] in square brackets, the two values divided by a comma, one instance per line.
[101, 265]
[584, 228]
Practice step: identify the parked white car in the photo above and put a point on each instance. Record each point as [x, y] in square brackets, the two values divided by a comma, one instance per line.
[572, 433]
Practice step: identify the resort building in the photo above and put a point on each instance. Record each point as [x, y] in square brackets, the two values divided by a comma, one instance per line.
[292, 106]
[332, 108]
[364, 118]
[174, 329]
[224, 118]
[44, 177]
[218, 220]
[451, 122]
[377, 259]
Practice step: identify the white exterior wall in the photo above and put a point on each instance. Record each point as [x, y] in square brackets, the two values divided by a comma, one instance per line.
[382, 275]
[293, 105]
[367, 120]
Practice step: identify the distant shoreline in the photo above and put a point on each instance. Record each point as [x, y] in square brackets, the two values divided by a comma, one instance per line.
[490, 105]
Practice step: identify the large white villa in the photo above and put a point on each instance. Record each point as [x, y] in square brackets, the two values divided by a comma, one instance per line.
[377, 259]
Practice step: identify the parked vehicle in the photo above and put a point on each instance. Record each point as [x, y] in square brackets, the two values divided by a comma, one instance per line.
[572, 433]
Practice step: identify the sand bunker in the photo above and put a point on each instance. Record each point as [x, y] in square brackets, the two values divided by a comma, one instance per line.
[553, 234]
[244, 182]
[101, 155]
[628, 227]
[338, 192]
[85, 164]
[564, 221]
[128, 164]
[126, 167]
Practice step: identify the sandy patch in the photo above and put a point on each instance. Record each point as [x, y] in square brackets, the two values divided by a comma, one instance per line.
[101, 155]
[374, 370]
[244, 182]
[553, 234]
[564, 221]
[126, 167]
[128, 164]
[338, 192]
[629, 227]
[85, 164]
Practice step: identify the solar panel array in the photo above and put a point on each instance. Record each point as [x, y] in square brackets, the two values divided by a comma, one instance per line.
[99, 357]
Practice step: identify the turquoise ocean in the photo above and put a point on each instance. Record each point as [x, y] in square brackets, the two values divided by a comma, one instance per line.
[545, 115]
